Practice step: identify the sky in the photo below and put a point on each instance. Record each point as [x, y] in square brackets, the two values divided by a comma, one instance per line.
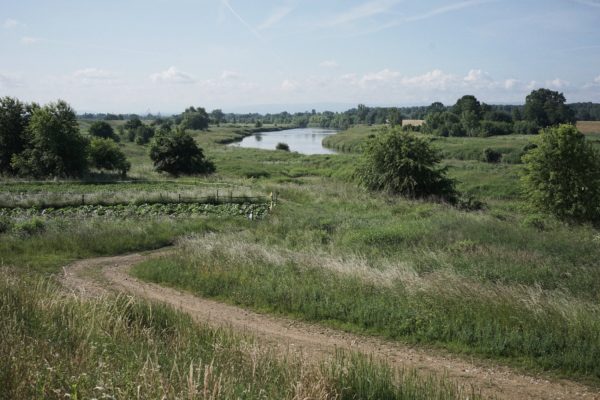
[155, 56]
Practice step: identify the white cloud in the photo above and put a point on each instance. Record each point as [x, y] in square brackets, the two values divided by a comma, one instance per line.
[172, 75]
[27, 40]
[557, 83]
[436, 79]
[275, 17]
[383, 76]
[93, 74]
[329, 64]
[230, 75]
[9, 81]
[10, 23]
[289, 85]
[531, 85]
[597, 79]
[510, 83]
[362, 11]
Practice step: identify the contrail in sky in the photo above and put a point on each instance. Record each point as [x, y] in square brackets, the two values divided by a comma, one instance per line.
[242, 20]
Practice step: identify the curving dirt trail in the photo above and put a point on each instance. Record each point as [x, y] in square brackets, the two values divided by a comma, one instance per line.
[93, 277]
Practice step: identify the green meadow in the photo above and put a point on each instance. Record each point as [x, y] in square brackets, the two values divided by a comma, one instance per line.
[497, 283]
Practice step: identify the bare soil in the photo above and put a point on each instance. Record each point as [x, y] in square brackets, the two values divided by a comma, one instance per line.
[98, 276]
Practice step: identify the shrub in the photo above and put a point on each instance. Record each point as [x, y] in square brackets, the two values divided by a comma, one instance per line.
[30, 227]
[491, 155]
[562, 175]
[495, 128]
[143, 134]
[103, 130]
[282, 146]
[526, 128]
[105, 154]
[176, 153]
[5, 225]
[401, 163]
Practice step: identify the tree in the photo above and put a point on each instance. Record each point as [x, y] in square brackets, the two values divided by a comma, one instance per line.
[14, 117]
[436, 107]
[404, 164]
[394, 117]
[176, 153]
[194, 118]
[562, 175]
[103, 129]
[133, 124]
[361, 113]
[143, 134]
[547, 108]
[105, 154]
[217, 116]
[55, 145]
[470, 104]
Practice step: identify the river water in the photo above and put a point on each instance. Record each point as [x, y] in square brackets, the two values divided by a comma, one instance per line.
[301, 140]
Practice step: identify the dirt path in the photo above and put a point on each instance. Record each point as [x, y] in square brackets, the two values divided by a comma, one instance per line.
[93, 277]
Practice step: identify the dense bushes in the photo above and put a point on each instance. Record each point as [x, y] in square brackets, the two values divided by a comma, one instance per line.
[282, 146]
[45, 141]
[176, 153]
[105, 155]
[401, 163]
[54, 147]
[102, 129]
[491, 155]
[562, 175]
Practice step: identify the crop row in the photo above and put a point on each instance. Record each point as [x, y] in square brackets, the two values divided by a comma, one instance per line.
[142, 210]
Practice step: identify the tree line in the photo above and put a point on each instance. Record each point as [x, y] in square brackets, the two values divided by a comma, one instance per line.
[46, 141]
[470, 117]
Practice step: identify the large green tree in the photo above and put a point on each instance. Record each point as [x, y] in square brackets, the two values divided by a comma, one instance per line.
[546, 107]
[177, 153]
[401, 163]
[195, 118]
[14, 117]
[55, 147]
[562, 175]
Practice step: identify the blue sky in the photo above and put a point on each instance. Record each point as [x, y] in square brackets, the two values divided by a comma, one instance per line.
[161, 56]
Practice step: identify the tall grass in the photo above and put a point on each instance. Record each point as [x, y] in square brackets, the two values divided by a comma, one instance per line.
[526, 325]
[55, 242]
[55, 345]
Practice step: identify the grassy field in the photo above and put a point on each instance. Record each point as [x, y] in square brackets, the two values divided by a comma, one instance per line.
[456, 148]
[56, 346]
[499, 283]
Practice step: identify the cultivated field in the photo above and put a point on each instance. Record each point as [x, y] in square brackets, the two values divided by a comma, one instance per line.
[588, 127]
[500, 288]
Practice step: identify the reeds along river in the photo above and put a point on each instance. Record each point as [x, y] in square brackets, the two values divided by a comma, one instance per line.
[301, 140]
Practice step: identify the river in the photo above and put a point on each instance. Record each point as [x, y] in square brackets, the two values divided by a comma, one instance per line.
[301, 140]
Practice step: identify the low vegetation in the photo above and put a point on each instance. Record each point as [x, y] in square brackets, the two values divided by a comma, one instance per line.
[55, 346]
